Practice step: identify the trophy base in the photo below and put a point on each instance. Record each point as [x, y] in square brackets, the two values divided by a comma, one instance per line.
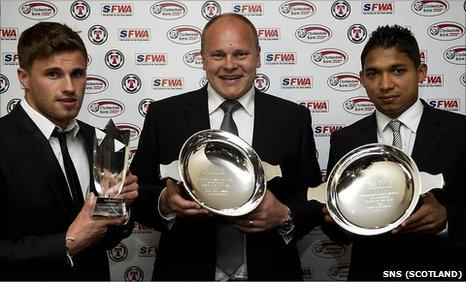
[109, 207]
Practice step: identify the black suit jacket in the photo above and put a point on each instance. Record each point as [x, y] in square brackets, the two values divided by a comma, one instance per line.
[439, 148]
[37, 209]
[282, 136]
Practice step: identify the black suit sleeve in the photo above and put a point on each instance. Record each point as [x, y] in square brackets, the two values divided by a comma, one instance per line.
[306, 214]
[33, 248]
[332, 230]
[145, 166]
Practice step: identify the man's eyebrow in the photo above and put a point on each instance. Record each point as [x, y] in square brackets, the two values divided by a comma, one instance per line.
[56, 69]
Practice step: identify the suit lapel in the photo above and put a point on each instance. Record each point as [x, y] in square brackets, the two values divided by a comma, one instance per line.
[265, 119]
[368, 131]
[41, 151]
[197, 112]
[427, 137]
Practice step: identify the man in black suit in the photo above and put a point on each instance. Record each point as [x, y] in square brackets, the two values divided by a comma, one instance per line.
[279, 131]
[433, 237]
[47, 230]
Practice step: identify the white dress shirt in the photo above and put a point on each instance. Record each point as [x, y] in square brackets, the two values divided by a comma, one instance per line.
[74, 142]
[243, 117]
[244, 120]
[409, 123]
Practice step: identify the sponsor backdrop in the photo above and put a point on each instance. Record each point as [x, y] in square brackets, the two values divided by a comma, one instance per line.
[142, 51]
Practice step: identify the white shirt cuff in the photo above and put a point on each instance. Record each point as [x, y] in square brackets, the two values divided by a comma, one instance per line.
[168, 218]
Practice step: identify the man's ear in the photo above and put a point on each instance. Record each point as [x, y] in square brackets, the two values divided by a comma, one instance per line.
[361, 78]
[258, 58]
[23, 77]
[421, 72]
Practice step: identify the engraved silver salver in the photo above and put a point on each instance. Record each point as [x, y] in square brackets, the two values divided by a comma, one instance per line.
[110, 165]
[373, 189]
[221, 172]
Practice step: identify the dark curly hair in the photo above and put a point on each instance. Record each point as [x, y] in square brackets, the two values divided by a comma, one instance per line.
[393, 36]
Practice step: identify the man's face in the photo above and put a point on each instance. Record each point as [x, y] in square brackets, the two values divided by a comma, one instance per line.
[230, 57]
[55, 86]
[391, 80]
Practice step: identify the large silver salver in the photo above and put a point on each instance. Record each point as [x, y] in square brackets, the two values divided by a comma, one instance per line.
[221, 172]
[110, 164]
[373, 189]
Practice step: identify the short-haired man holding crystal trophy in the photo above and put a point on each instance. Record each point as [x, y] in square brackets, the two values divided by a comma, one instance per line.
[47, 183]
[432, 238]
[195, 244]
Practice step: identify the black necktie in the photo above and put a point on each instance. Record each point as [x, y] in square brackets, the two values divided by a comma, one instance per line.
[70, 170]
[230, 242]
[228, 124]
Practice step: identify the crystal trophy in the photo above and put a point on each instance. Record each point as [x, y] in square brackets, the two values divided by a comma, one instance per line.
[110, 163]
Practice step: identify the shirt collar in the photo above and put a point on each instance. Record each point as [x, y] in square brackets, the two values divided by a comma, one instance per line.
[44, 124]
[215, 100]
[410, 118]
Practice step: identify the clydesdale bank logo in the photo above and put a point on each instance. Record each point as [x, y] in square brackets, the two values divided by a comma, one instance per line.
[430, 8]
[168, 10]
[184, 34]
[96, 84]
[203, 81]
[446, 31]
[328, 249]
[456, 55]
[299, 9]
[344, 81]
[106, 108]
[193, 59]
[38, 10]
[329, 57]
[359, 105]
[338, 272]
[313, 33]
